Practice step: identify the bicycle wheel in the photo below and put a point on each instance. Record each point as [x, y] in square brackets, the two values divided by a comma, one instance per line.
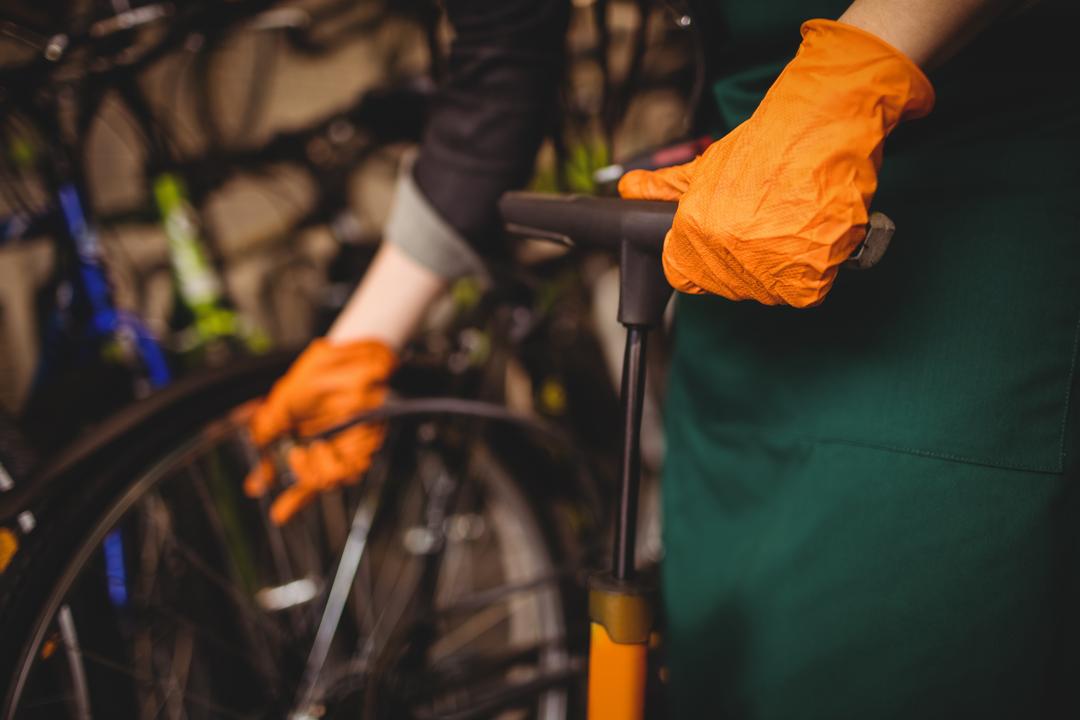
[153, 588]
[463, 614]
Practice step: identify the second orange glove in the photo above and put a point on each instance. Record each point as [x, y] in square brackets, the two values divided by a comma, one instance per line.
[771, 210]
[328, 384]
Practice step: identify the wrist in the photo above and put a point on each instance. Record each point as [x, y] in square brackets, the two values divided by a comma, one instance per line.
[390, 302]
[850, 60]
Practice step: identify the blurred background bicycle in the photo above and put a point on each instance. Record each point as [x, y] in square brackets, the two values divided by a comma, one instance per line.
[187, 191]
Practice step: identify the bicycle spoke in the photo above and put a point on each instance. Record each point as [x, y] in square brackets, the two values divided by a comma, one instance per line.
[212, 513]
[177, 681]
[231, 546]
[146, 664]
[448, 671]
[156, 520]
[210, 638]
[278, 552]
[208, 704]
[38, 703]
[470, 630]
[483, 598]
[75, 662]
[364, 589]
[397, 602]
[505, 696]
[241, 601]
[349, 561]
[456, 572]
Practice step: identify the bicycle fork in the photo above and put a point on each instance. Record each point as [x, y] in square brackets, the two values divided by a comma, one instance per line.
[620, 606]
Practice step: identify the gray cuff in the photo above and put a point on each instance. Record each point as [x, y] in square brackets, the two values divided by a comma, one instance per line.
[416, 228]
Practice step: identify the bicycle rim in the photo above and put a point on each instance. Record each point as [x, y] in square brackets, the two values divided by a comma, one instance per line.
[181, 600]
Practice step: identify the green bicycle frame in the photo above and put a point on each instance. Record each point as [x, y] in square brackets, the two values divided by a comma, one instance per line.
[197, 282]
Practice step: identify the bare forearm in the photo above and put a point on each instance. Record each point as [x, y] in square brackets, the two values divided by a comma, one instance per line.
[927, 31]
[390, 302]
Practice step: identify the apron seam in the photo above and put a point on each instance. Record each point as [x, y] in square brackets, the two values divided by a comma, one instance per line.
[984, 462]
[1068, 392]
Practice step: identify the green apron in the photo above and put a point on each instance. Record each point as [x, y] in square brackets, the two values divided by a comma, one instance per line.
[870, 507]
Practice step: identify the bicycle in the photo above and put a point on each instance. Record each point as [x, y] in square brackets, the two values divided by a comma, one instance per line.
[529, 533]
[397, 667]
[533, 475]
[93, 490]
[86, 331]
[558, 491]
[51, 101]
[407, 520]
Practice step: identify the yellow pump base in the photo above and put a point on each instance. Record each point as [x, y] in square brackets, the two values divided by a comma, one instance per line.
[616, 677]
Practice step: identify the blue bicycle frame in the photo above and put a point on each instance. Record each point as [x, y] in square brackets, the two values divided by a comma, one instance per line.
[107, 321]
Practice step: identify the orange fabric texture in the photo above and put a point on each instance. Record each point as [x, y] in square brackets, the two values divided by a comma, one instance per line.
[328, 384]
[771, 210]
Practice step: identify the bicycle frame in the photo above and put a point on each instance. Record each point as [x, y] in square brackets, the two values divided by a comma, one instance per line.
[108, 323]
[111, 330]
[199, 287]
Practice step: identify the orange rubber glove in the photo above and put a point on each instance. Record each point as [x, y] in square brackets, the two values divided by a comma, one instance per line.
[770, 211]
[328, 384]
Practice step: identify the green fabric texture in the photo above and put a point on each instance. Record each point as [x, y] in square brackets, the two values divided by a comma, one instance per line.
[836, 581]
[870, 507]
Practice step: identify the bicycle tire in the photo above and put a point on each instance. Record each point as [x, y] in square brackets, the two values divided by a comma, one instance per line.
[78, 489]
[49, 510]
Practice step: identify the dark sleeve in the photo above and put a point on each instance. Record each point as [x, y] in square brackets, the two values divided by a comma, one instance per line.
[492, 110]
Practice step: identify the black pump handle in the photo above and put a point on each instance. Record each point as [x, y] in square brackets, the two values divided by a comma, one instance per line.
[587, 221]
[606, 222]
